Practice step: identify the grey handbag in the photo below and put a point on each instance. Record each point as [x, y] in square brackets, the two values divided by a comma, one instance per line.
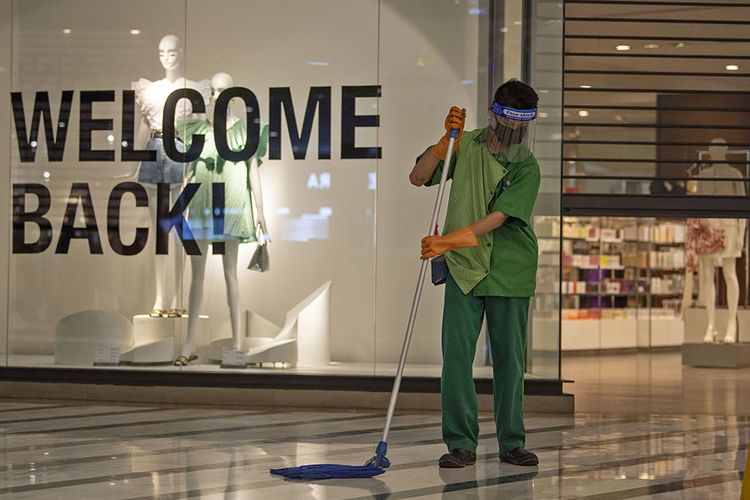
[259, 261]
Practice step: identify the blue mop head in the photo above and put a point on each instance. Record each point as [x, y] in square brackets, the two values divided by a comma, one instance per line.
[374, 467]
[328, 471]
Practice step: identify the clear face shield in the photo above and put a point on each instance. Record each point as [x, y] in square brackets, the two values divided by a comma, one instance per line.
[510, 134]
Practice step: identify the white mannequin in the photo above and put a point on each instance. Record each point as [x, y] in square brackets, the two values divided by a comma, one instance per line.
[734, 230]
[150, 97]
[236, 111]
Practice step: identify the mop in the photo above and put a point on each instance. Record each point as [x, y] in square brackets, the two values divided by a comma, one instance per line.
[378, 463]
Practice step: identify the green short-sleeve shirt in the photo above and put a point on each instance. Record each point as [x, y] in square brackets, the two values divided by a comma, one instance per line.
[504, 264]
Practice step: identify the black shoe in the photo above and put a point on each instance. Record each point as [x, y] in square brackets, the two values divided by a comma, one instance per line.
[458, 458]
[519, 456]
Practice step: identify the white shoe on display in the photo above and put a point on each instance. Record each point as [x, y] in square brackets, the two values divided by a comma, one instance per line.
[731, 336]
[711, 334]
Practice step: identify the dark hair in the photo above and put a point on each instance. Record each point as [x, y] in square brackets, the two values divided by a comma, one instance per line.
[516, 94]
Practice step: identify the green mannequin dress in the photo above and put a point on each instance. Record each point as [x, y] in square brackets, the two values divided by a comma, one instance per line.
[210, 168]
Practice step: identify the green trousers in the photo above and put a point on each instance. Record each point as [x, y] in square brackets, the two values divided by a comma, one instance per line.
[507, 319]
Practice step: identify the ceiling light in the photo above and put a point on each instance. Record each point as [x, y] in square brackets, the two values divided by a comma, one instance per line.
[623, 47]
[583, 113]
[585, 86]
[67, 31]
[135, 32]
[651, 46]
[680, 45]
[731, 67]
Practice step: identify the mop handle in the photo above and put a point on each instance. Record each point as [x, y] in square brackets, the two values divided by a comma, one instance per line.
[418, 291]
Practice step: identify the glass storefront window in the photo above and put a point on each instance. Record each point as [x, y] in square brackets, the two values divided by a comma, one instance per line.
[127, 249]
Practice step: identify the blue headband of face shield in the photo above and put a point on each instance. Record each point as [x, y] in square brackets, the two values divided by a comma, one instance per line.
[516, 115]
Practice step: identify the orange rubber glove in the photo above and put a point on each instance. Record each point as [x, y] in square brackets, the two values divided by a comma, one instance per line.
[432, 246]
[455, 120]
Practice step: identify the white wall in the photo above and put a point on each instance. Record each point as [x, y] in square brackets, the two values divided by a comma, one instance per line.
[5, 70]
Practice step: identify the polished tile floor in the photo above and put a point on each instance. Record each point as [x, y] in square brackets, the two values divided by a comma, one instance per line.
[655, 383]
[57, 450]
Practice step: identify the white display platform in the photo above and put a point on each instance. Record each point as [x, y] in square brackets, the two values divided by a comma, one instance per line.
[626, 333]
[159, 340]
[588, 334]
[78, 335]
[303, 341]
[661, 332]
[696, 321]
[712, 355]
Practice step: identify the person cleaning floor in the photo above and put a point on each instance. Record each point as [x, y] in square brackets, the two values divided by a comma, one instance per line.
[491, 252]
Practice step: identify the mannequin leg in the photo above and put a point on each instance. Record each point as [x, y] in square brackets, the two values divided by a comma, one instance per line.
[229, 259]
[708, 291]
[176, 260]
[160, 261]
[687, 293]
[729, 270]
[195, 301]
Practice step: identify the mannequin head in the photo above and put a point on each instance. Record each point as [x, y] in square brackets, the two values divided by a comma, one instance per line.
[220, 82]
[718, 149]
[170, 52]
[236, 109]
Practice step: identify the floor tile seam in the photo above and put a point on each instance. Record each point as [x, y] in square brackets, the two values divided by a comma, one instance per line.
[206, 467]
[658, 435]
[124, 424]
[648, 416]
[481, 420]
[165, 436]
[234, 429]
[35, 408]
[82, 415]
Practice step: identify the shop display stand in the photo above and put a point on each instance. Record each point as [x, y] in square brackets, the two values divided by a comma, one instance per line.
[91, 338]
[621, 281]
[697, 353]
[303, 340]
[716, 355]
[158, 341]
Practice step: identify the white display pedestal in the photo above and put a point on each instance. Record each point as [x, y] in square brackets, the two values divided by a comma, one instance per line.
[696, 322]
[159, 340]
[716, 355]
[303, 340]
[79, 335]
[594, 334]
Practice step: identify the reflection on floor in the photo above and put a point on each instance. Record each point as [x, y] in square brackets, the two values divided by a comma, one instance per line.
[654, 383]
[73, 452]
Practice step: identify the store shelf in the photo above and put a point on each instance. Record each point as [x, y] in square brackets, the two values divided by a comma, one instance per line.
[628, 317]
